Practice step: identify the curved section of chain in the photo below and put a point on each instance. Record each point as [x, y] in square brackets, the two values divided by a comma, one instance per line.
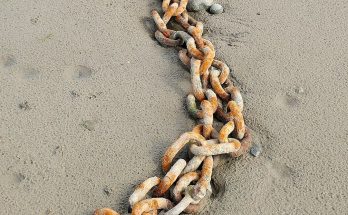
[213, 95]
[142, 189]
[170, 178]
[105, 211]
[149, 205]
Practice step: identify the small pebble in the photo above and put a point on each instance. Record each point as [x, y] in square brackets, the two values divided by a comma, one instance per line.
[256, 150]
[216, 9]
[108, 191]
[198, 5]
[300, 90]
[89, 125]
[24, 106]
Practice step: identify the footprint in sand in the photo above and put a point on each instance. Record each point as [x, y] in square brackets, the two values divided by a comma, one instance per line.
[287, 101]
[279, 171]
[7, 60]
[30, 74]
[79, 72]
[89, 124]
[19, 177]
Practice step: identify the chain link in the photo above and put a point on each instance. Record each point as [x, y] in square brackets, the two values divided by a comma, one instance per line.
[217, 96]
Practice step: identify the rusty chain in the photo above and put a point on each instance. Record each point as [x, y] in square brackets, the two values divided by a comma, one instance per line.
[216, 95]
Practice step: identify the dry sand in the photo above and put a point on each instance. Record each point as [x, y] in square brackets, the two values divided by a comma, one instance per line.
[90, 101]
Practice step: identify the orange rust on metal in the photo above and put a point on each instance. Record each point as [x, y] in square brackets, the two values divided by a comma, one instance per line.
[238, 118]
[105, 211]
[207, 109]
[170, 178]
[245, 144]
[236, 96]
[225, 71]
[211, 96]
[182, 7]
[184, 58]
[207, 42]
[177, 146]
[216, 85]
[225, 131]
[153, 204]
[192, 49]
[142, 189]
[182, 21]
[196, 79]
[232, 145]
[199, 130]
[209, 78]
[200, 189]
[192, 107]
[167, 41]
[170, 12]
[209, 55]
[185, 16]
[160, 24]
[206, 64]
[182, 184]
[165, 5]
[197, 35]
[193, 164]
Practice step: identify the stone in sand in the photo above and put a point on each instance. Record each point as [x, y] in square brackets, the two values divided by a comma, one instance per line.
[256, 150]
[216, 9]
[198, 5]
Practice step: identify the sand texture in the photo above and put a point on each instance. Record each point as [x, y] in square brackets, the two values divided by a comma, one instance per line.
[89, 101]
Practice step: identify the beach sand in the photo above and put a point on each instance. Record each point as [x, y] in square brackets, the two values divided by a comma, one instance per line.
[90, 101]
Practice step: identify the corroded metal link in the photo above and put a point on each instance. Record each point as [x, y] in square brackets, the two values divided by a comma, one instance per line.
[160, 24]
[170, 178]
[167, 41]
[206, 64]
[142, 189]
[238, 118]
[182, 21]
[221, 114]
[233, 145]
[185, 16]
[225, 71]
[196, 208]
[192, 21]
[170, 12]
[216, 85]
[165, 5]
[192, 107]
[245, 144]
[199, 130]
[188, 137]
[182, 7]
[225, 131]
[193, 164]
[185, 59]
[205, 142]
[105, 211]
[196, 32]
[200, 114]
[236, 96]
[208, 113]
[196, 79]
[182, 184]
[200, 189]
[190, 44]
[153, 204]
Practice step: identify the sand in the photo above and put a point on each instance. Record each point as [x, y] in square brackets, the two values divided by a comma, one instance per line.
[90, 101]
